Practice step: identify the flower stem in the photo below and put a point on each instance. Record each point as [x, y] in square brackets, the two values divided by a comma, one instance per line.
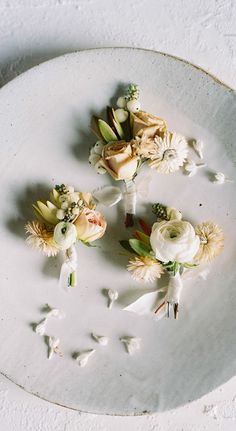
[129, 220]
[72, 279]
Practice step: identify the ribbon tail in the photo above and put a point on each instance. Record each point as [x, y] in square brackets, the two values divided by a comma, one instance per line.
[145, 304]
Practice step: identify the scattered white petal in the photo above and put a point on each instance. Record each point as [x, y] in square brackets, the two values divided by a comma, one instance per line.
[101, 339]
[191, 167]
[108, 195]
[55, 312]
[83, 357]
[53, 344]
[40, 327]
[198, 147]
[220, 178]
[132, 344]
[112, 297]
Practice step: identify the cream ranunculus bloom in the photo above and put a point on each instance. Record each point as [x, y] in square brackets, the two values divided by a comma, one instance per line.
[90, 225]
[174, 240]
[147, 126]
[119, 161]
[64, 235]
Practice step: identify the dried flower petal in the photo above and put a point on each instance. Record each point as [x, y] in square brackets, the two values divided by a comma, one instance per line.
[198, 147]
[145, 269]
[132, 344]
[101, 339]
[83, 357]
[53, 344]
[40, 327]
[112, 297]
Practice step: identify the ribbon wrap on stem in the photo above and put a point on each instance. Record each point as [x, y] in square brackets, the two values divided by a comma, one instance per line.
[130, 197]
[174, 287]
[68, 269]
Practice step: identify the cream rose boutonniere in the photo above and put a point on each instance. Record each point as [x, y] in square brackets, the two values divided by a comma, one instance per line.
[68, 216]
[131, 137]
[171, 246]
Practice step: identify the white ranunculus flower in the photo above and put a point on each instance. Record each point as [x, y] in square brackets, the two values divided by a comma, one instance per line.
[174, 240]
[65, 234]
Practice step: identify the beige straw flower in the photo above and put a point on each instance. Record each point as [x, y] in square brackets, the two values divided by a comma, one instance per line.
[211, 241]
[145, 269]
[40, 237]
[171, 153]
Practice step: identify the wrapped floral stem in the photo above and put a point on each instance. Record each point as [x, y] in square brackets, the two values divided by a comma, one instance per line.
[130, 199]
[66, 218]
[171, 246]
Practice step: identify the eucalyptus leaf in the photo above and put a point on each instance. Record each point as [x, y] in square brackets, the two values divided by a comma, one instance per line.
[106, 131]
[126, 245]
[144, 238]
[117, 125]
[140, 248]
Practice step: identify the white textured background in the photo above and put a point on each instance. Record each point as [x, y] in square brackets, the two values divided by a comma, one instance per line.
[201, 31]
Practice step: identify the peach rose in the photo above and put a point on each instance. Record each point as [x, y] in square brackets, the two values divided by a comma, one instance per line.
[90, 225]
[147, 126]
[119, 161]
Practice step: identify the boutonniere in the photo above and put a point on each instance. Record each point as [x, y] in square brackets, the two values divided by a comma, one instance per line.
[172, 246]
[129, 138]
[67, 217]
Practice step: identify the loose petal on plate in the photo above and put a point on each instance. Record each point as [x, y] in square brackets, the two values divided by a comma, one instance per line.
[191, 167]
[53, 344]
[198, 147]
[54, 312]
[145, 304]
[220, 178]
[101, 339]
[132, 344]
[40, 327]
[108, 195]
[83, 357]
[112, 297]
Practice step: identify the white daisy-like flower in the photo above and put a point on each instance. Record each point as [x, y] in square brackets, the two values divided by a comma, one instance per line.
[145, 269]
[211, 241]
[171, 153]
[41, 238]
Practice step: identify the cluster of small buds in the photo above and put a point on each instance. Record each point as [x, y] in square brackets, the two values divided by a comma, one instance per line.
[160, 211]
[129, 102]
[71, 204]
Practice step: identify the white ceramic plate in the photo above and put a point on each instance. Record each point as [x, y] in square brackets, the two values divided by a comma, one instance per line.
[45, 139]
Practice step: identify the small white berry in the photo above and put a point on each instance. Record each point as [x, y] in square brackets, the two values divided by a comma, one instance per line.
[64, 205]
[75, 211]
[121, 102]
[98, 147]
[94, 158]
[100, 169]
[60, 214]
[121, 115]
[70, 189]
[133, 105]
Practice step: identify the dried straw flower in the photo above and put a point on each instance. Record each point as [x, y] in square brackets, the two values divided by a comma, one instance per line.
[211, 241]
[145, 269]
[171, 153]
[41, 238]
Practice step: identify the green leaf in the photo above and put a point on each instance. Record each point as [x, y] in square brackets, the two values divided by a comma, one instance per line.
[140, 248]
[106, 131]
[189, 265]
[126, 245]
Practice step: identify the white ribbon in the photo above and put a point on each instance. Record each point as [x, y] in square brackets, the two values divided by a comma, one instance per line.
[68, 267]
[130, 197]
[174, 287]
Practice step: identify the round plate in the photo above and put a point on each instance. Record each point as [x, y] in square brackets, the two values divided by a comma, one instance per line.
[45, 139]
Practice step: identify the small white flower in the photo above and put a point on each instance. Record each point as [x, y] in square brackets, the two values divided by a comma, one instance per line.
[40, 327]
[94, 158]
[65, 235]
[132, 344]
[101, 339]
[83, 357]
[191, 167]
[98, 147]
[60, 214]
[220, 178]
[112, 297]
[198, 147]
[70, 189]
[100, 169]
[53, 344]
